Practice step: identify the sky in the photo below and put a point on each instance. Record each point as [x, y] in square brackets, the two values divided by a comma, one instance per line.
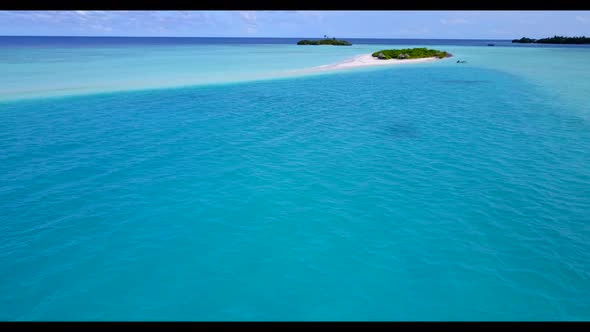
[310, 24]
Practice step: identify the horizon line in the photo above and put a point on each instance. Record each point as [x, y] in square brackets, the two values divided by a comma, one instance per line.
[70, 36]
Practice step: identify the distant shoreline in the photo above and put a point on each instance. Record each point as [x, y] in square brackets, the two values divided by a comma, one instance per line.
[554, 40]
[325, 41]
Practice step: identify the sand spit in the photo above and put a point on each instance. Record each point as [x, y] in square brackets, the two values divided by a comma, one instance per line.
[365, 60]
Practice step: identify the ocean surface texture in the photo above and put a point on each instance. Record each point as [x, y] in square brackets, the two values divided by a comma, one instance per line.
[206, 179]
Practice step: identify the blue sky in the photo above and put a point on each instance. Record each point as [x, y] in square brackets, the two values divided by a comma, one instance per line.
[351, 24]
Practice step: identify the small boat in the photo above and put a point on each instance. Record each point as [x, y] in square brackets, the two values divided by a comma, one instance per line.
[461, 61]
[490, 44]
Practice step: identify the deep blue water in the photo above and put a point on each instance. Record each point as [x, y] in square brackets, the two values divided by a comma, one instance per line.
[77, 42]
[129, 41]
[408, 193]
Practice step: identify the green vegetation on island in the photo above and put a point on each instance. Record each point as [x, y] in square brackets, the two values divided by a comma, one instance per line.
[410, 53]
[524, 40]
[325, 41]
[554, 40]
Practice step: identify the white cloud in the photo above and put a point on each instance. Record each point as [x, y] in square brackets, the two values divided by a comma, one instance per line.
[50, 17]
[248, 16]
[314, 14]
[100, 27]
[251, 21]
[453, 21]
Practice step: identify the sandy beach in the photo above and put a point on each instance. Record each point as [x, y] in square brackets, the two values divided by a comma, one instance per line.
[364, 61]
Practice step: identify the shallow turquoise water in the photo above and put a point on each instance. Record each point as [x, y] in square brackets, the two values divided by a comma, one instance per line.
[421, 192]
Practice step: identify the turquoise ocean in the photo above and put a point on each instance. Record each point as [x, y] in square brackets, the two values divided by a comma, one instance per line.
[211, 179]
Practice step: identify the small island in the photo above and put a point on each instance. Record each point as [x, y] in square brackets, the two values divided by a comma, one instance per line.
[554, 40]
[325, 41]
[410, 53]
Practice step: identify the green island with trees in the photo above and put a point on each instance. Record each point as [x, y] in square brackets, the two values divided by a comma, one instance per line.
[325, 41]
[410, 53]
[554, 40]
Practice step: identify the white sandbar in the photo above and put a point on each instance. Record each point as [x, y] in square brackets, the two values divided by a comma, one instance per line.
[364, 61]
